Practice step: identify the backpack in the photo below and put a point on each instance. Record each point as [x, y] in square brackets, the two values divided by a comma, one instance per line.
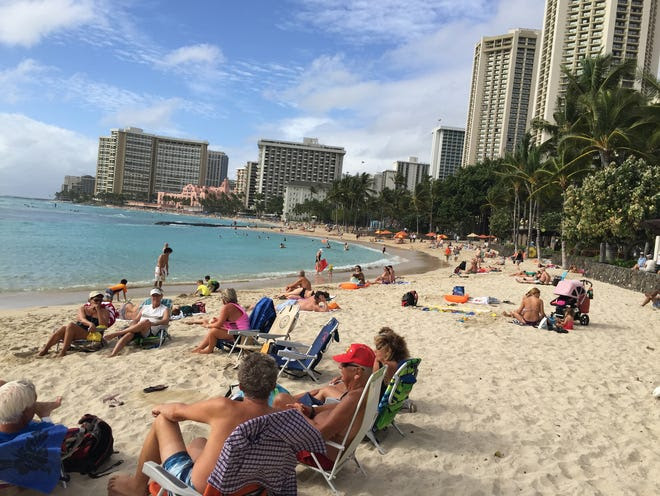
[409, 299]
[87, 447]
[198, 307]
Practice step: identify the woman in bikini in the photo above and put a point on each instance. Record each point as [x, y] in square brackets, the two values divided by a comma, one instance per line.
[531, 310]
[232, 317]
[92, 316]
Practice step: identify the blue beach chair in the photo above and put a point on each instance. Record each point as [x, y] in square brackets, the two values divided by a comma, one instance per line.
[295, 362]
[261, 319]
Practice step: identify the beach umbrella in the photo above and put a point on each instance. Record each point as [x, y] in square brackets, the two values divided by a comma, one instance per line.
[472, 235]
[386, 232]
[483, 236]
[401, 235]
[443, 236]
[378, 232]
[430, 235]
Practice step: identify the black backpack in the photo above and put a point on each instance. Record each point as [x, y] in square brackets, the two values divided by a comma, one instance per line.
[86, 448]
[409, 299]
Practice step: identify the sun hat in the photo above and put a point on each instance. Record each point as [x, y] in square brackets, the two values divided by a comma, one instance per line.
[359, 354]
[94, 294]
[156, 291]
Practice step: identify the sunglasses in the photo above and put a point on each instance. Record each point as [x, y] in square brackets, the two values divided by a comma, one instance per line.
[344, 365]
[97, 299]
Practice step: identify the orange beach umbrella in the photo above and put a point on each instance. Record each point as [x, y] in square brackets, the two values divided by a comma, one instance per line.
[401, 235]
[430, 235]
[385, 231]
[443, 236]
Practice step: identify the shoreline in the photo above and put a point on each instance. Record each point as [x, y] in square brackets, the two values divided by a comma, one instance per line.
[414, 262]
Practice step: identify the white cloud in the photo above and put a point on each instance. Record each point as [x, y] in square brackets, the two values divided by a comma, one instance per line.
[13, 81]
[35, 156]
[386, 20]
[194, 54]
[389, 117]
[157, 117]
[26, 22]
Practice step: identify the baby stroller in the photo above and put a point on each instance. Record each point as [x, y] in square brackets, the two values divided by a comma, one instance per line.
[576, 295]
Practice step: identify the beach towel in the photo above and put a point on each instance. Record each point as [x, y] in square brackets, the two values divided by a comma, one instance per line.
[32, 459]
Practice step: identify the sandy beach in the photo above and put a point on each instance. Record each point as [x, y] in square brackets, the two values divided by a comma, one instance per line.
[502, 409]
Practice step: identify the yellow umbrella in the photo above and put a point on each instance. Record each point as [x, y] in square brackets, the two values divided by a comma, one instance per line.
[472, 235]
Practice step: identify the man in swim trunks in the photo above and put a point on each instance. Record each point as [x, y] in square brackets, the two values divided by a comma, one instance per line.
[192, 464]
[162, 269]
[332, 419]
[297, 288]
[315, 302]
[531, 310]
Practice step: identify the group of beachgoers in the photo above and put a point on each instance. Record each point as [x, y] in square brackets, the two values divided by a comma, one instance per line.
[329, 409]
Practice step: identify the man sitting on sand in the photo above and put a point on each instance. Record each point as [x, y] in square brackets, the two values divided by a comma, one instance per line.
[530, 312]
[300, 287]
[315, 302]
[150, 320]
[332, 419]
[192, 464]
[18, 406]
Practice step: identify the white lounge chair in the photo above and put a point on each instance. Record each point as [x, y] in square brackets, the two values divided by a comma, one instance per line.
[370, 397]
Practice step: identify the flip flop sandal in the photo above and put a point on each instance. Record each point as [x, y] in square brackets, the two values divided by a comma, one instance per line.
[152, 389]
[115, 402]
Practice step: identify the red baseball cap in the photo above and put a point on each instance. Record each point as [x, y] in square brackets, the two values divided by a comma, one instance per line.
[359, 354]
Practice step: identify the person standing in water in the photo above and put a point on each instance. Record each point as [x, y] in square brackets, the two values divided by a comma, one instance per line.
[162, 267]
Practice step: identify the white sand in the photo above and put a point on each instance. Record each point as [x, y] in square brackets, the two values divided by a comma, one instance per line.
[569, 414]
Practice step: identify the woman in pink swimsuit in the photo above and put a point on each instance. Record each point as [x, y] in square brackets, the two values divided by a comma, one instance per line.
[232, 316]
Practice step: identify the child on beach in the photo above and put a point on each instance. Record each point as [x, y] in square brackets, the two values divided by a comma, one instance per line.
[202, 289]
[115, 290]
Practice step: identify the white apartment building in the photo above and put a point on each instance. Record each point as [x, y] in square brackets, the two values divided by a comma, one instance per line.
[574, 29]
[297, 192]
[446, 151]
[382, 180]
[503, 81]
[137, 164]
[412, 172]
[282, 162]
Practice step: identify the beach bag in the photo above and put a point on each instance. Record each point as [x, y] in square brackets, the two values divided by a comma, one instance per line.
[409, 299]
[86, 448]
[198, 307]
[458, 291]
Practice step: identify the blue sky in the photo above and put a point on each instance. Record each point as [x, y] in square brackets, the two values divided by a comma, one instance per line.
[373, 76]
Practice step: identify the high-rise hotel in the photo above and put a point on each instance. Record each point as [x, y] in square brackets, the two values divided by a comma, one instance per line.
[137, 165]
[446, 151]
[282, 162]
[575, 29]
[499, 111]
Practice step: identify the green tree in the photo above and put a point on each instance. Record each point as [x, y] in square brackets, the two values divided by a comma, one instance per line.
[611, 203]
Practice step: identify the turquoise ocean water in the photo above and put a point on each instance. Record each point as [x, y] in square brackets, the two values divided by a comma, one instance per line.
[46, 247]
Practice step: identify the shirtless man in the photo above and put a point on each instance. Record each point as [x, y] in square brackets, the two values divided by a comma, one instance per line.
[162, 267]
[332, 419]
[531, 310]
[192, 464]
[297, 288]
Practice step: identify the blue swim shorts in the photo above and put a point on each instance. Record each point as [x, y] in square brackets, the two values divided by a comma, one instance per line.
[180, 465]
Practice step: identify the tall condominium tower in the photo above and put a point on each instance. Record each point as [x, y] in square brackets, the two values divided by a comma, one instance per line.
[136, 164]
[575, 29]
[446, 151]
[412, 172]
[281, 162]
[216, 169]
[499, 111]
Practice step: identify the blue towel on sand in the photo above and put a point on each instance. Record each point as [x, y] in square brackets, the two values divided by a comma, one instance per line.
[32, 459]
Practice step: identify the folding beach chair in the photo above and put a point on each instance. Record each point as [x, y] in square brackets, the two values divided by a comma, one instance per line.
[394, 399]
[369, 399]
[281, 328]
[258, 458]
[33, 459]
[298, 359]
